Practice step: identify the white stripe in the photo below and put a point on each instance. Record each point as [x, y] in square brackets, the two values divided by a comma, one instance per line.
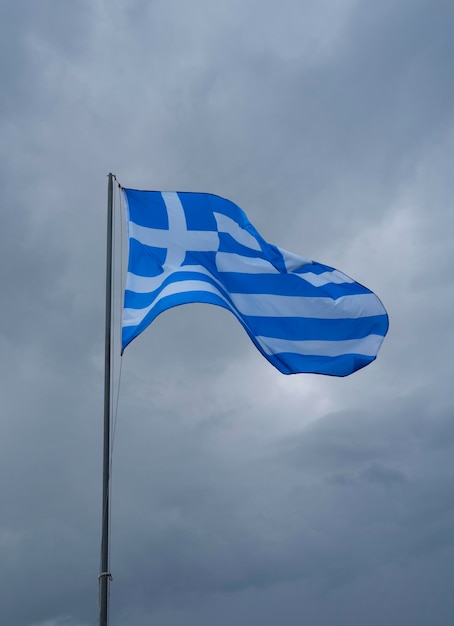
[156, 237]
[228, 262]
[133, 317]
[267, 305]
[195, 240]
[318, 280]
[367, 346]
[227, 225]
[293, 261]
[144, 284]
[148, 284]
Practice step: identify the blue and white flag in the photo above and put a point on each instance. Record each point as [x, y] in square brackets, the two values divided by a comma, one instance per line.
[196, 247]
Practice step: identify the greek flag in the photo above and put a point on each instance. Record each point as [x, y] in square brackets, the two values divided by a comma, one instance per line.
[196, 247]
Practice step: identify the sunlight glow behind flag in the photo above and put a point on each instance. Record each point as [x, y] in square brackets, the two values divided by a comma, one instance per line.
[198, 247]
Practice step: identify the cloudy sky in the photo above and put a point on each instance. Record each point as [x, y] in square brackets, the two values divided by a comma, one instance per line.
[240, 496]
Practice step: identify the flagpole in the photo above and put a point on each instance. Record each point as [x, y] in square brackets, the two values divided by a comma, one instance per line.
[104, 575]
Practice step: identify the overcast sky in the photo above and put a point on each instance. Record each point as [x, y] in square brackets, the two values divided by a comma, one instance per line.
[240, 496]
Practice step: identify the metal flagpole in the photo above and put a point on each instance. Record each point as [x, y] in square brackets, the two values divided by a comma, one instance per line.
[104, 575]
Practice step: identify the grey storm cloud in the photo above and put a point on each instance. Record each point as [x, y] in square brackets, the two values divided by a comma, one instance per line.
[239, 495]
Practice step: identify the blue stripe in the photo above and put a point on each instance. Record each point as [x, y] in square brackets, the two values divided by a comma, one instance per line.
[304, 328]
[285, 285]
[228, 244]
[289, 363]
[314, 268]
